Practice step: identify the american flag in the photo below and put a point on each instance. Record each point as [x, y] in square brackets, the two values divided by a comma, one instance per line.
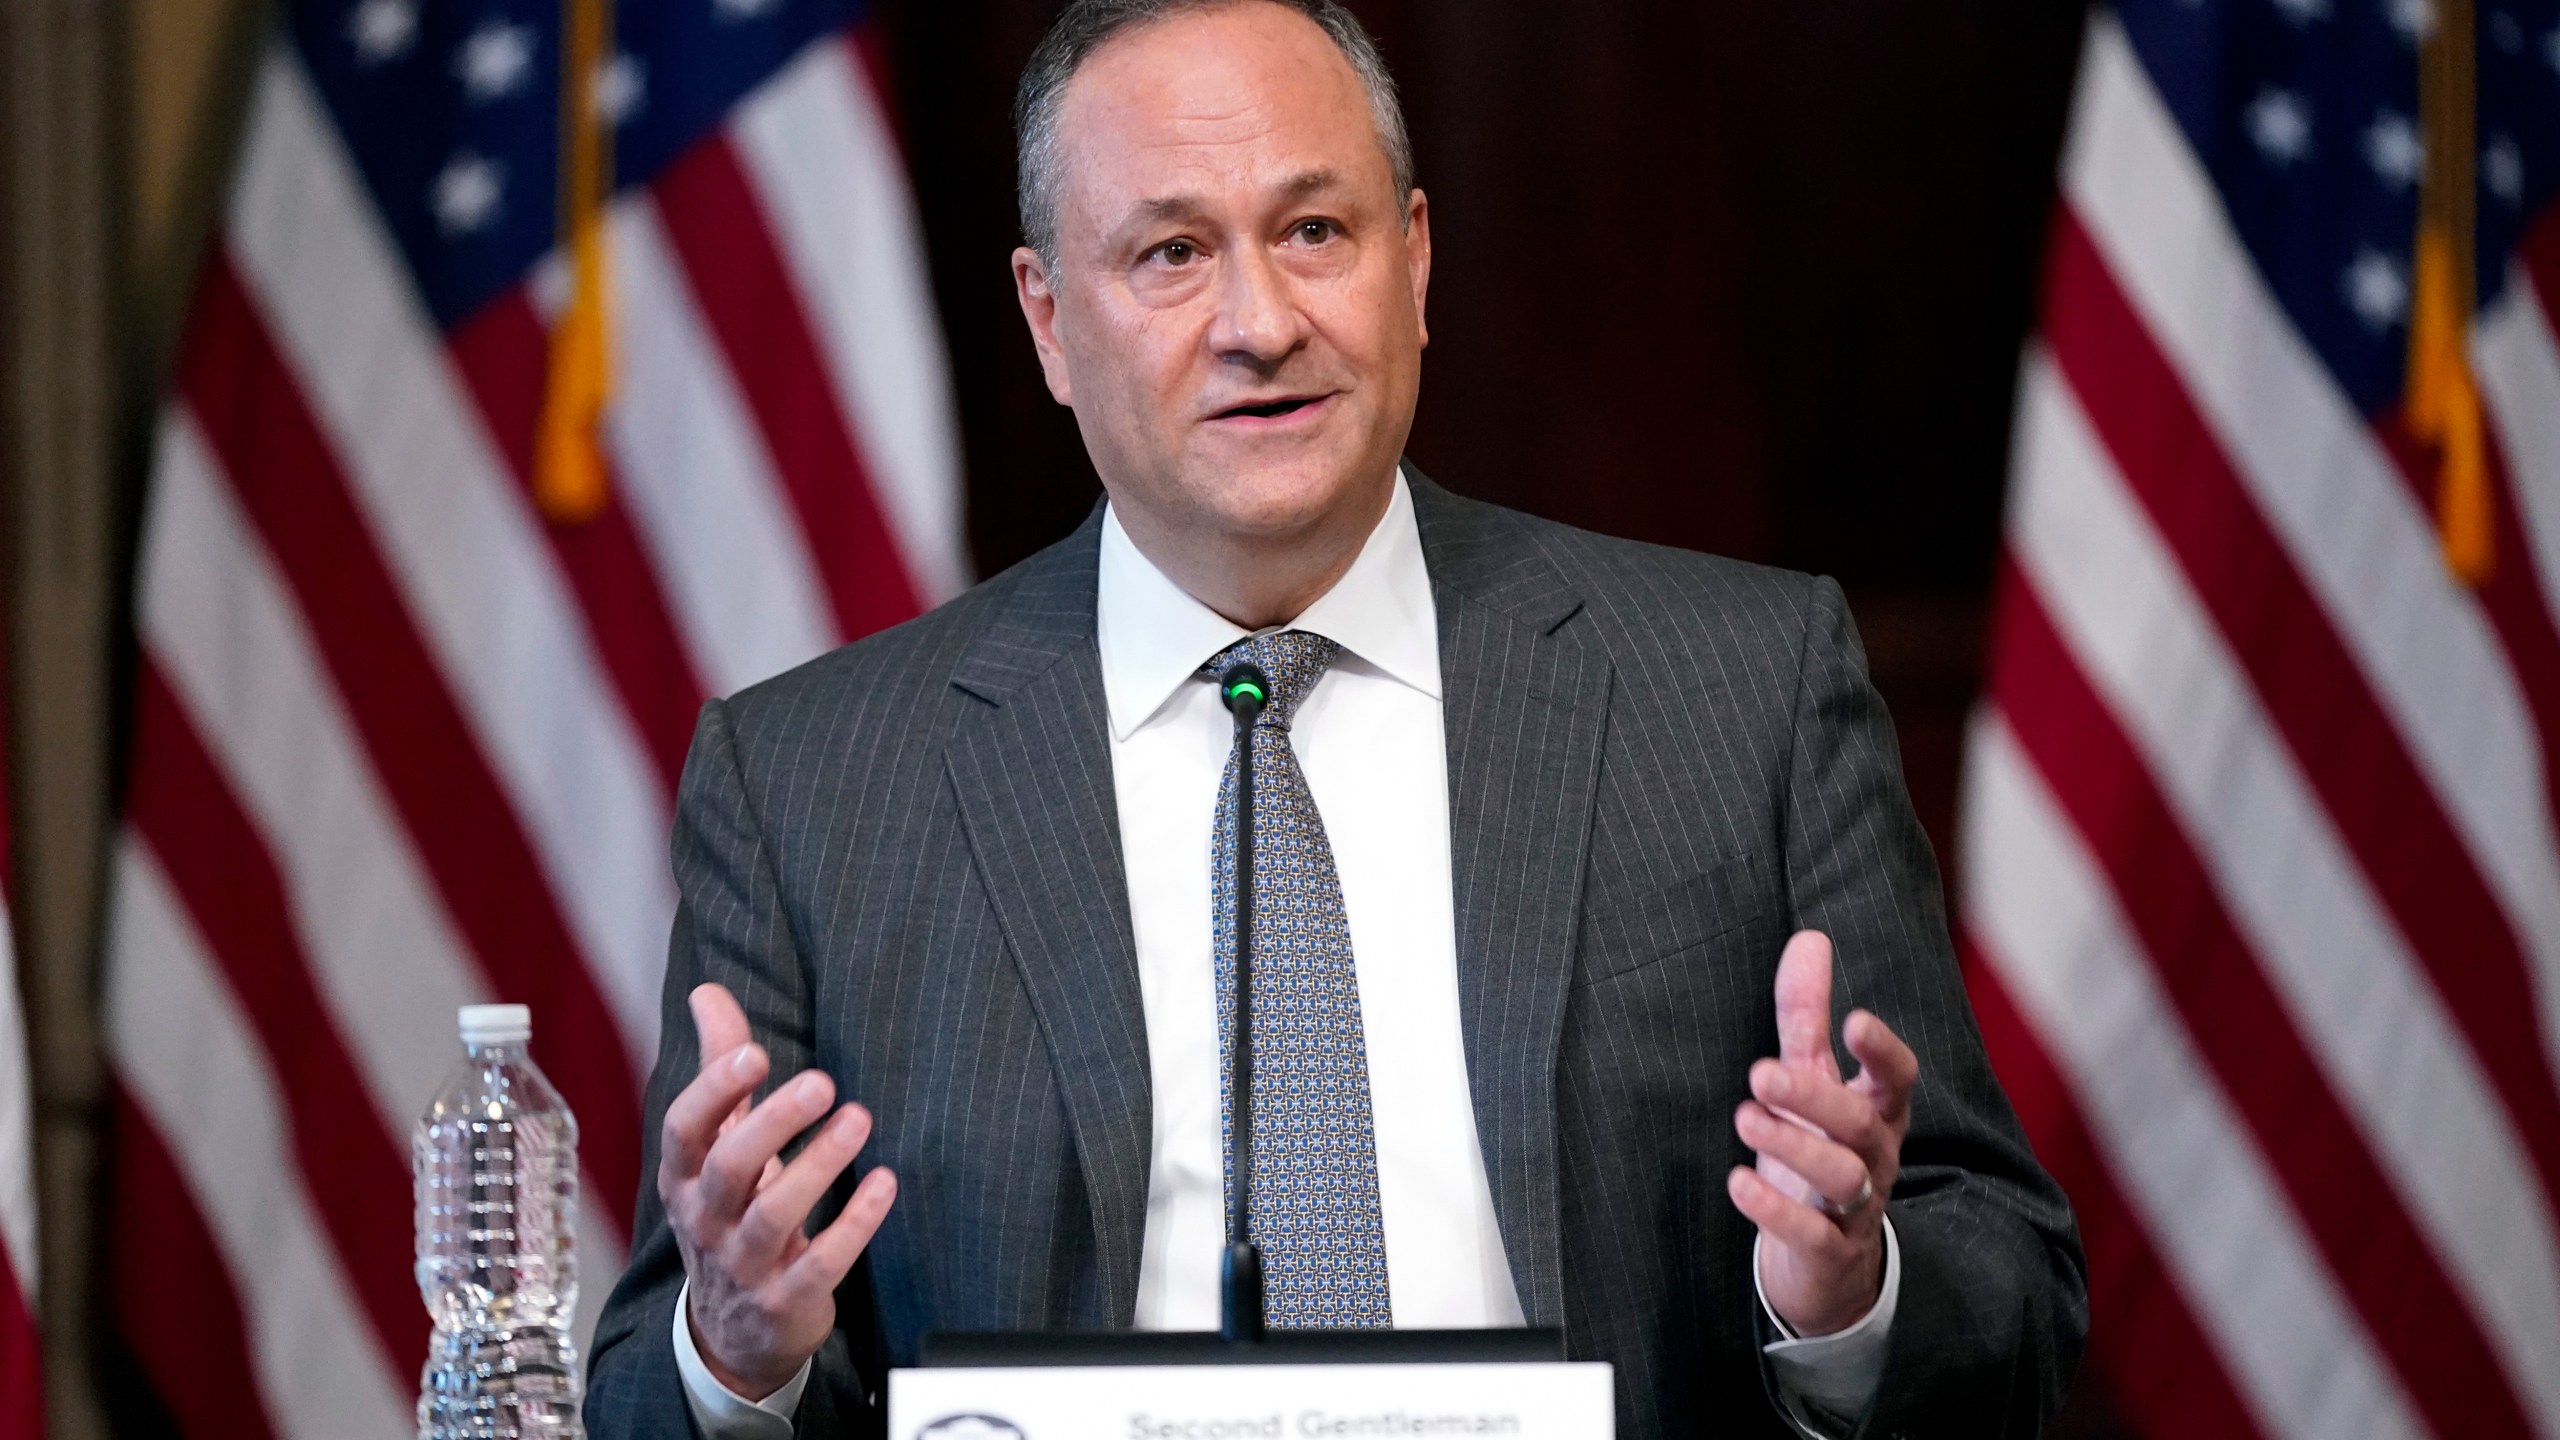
[2261, 872]
[407, 724]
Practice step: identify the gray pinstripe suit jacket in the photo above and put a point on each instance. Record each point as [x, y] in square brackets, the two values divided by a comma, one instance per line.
[904, 860]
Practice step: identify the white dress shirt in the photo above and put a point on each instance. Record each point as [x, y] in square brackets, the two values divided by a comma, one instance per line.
[1370, 740]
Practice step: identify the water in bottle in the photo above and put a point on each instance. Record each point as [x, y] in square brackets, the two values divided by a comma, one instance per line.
[496, 1159]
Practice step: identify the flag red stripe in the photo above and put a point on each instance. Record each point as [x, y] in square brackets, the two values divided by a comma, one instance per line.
[174, 1301]
[2409, 852]
[722, 237]
[21, 1360]
[500, 353]
[2144, 1337]
[871, 61]
[2518, 604]
[2517, 597]
[2513, 597]
[2345, 1199]
[467, 836]
[221, 870]
[2539, 253]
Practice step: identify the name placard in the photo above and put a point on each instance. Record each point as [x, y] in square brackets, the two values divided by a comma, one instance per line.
[1253, 1402]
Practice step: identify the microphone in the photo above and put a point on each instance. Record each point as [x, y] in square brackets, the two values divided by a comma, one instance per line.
[1245, 690]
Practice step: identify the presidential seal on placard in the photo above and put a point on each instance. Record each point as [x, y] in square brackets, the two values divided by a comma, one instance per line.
[971, 1427]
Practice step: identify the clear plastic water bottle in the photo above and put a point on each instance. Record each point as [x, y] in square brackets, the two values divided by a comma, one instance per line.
[496, 1161]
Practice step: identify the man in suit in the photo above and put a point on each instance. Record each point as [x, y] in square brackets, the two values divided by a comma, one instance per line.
[1570, 848]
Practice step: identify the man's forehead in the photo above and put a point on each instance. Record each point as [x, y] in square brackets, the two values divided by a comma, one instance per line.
[1302, 185]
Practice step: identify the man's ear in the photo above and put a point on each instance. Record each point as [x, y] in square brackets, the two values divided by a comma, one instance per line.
[1040, 311]
[1417, 256]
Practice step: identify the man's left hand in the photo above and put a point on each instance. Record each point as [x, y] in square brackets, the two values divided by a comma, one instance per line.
[1829, 1149]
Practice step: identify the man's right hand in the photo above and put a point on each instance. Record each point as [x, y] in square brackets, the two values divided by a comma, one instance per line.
[762, 1289]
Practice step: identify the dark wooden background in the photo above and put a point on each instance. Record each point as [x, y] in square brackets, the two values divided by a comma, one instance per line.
[1747, 276]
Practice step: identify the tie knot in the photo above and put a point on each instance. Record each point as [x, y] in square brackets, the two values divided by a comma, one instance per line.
[1292, 660]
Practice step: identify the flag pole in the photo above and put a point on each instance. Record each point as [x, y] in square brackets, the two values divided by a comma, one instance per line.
[2443, 404]
[569, 469]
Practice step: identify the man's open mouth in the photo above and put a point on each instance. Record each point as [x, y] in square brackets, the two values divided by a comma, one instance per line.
[1272, 410]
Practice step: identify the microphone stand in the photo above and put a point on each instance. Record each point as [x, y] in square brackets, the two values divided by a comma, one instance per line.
[1240, 1317]
[1240, 1339]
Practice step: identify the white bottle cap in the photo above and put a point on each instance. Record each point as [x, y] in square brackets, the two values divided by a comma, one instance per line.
[496, 1024]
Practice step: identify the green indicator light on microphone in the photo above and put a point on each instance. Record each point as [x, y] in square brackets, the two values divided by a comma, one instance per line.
[1247, 687]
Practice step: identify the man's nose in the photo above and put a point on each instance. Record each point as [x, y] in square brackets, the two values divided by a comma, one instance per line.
[1258, 318]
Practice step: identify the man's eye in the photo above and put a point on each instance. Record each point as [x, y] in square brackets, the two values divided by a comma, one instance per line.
[1176, 252]
[1315, 232]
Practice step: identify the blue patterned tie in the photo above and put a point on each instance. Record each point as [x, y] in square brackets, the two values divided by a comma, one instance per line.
[1315, 1149]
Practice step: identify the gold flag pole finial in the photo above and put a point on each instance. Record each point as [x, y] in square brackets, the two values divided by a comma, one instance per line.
[2443, 400]
[569, 468]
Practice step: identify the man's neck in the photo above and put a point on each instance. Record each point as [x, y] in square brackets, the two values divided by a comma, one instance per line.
[1256, 582]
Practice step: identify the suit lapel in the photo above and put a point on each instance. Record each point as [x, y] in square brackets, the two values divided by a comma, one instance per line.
[1525, 706]
[1031, 767]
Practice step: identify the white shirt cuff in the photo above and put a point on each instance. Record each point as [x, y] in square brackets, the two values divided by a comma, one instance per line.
[720, 1412]
[1827, 1381]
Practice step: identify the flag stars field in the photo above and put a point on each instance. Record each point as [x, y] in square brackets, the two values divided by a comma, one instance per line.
[2394, 151]
[382, 29]
[468, 194]
[2377, 289]
[622, 87]
[2280, 126]
[2502, 169]
[493, 62]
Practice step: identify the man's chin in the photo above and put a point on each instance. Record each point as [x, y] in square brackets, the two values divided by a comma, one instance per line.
[1287, 500]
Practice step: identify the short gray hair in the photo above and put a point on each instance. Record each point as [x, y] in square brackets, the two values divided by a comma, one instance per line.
[1085, 25]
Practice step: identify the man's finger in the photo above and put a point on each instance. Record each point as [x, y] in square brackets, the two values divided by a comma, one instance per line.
[1804, 1003]
[782, 1207]
[1887, 1068]
[832, 1251]
[1785, 1219]
[695, 1119]
[729, 1172]
[1833, 1170]
[1829, 1106]
[718, 1023]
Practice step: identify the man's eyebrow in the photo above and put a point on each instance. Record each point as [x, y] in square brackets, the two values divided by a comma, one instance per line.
[1186, 206]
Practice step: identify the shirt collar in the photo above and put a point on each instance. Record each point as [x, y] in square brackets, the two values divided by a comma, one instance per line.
[1154, 636]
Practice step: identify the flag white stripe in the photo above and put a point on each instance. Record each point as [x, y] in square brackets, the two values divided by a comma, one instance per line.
[17, 1127]
[2518, 360]
[2184, 1160]
[218, 620]
[699, 481]
[461, 538]
[2361, 541]
[826, 163]
[388, 963]
[185, 1051]
[2387, 1047]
